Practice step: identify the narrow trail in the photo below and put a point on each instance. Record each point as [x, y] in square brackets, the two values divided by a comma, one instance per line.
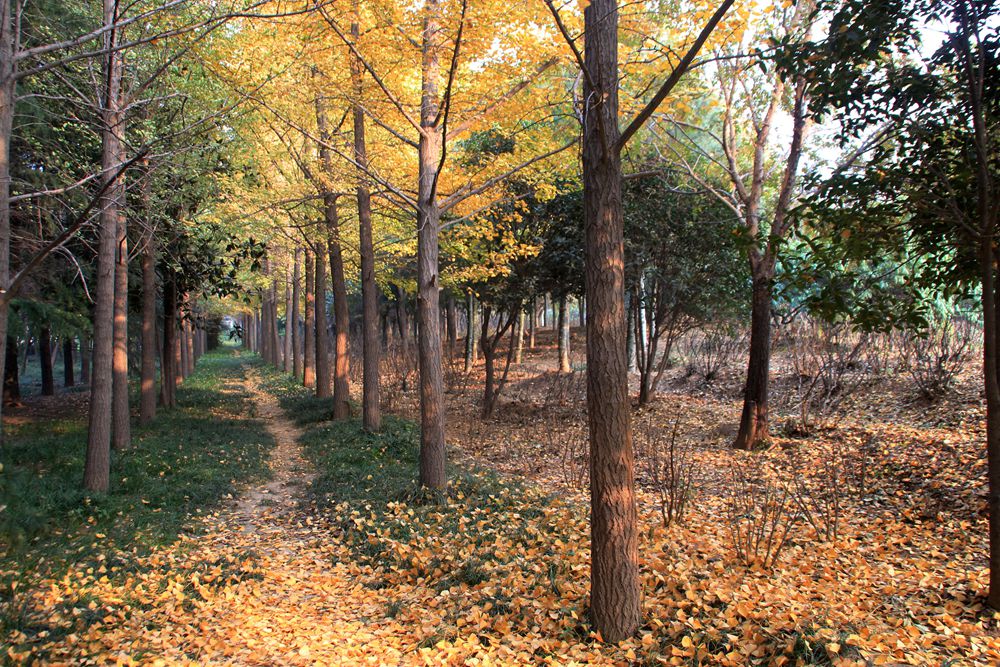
[265, 583]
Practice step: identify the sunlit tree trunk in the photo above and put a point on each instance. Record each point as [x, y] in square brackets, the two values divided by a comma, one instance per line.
[564, 364]
[97, 466]
[432, 417]
[341, 318]
[121, 433]
[371, 407]
[615, 596]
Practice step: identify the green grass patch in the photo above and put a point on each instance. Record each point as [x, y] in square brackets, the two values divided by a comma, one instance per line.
[185, 463]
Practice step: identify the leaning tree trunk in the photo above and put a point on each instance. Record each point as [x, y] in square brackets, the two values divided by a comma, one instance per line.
[615, 596]
[432, 418]
[564, 365]
[97, 466]
[68, 376]
[121, 431]
[753, 432]
[45, 358]
[309, 346]
[147, 373]
[322, 339]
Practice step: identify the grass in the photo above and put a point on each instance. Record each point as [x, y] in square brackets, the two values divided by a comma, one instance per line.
[185, 463]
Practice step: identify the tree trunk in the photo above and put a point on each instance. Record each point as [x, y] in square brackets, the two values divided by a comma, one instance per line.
[288, 354]
[68, 376]
[564, 365]
[45, 360]
[11, 379]
[121, 431]
[753, 433]
[8, 90]
[168, 367]
[147, 375]
[402, 319]
[615, 596]
[322, 338]
[519, 354]
[470, 332]
[533, 323]
[97, 467]
[371, 403]
[297, 354]
[309, 355]
[432, 417]
[272, 322]
[341, 318]
[451, 317]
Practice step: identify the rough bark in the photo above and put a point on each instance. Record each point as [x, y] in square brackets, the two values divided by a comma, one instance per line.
[121, 428]
[147, 373]
[341, 319]
[45, 360]
[753, 432]
[97, 466]
[371, 403]
[309, 344]
[615, 596]
[432, 417]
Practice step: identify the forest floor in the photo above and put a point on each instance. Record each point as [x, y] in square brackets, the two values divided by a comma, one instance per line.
[309, 543]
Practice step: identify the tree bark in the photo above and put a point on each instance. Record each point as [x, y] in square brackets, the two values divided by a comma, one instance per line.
[470, 332]
[121, 431]
[615, 595]
[451, 317]
[69, 378]
[341, 318]
[564, 364]
[45, 359]
[147, 374]
[309, 355]
[322, 339]
[8, 97]
[297, 353]
[287, 343]
[371, 403]
[432, 417]
[519, 353]
[991, 381]
[753, 433]
[97, 466]
[533, 323]
[168, 366]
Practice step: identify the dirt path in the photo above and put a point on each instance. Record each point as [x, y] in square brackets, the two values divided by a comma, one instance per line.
[267, 583]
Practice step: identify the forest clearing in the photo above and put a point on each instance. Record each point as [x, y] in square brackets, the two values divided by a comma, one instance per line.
[460, 332]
